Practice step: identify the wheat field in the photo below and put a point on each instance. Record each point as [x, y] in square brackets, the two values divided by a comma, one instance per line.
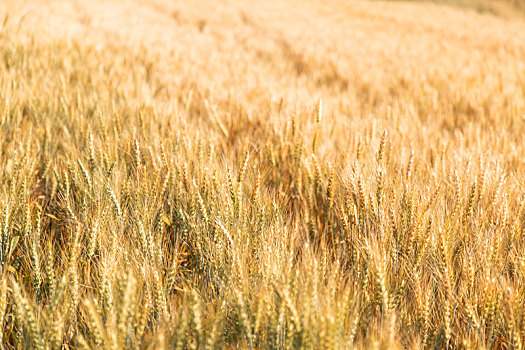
[262, 175]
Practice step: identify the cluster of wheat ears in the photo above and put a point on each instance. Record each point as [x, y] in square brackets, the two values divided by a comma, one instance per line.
[202, 219]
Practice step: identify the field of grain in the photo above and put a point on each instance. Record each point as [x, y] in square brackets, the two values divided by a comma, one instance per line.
[262, 174]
